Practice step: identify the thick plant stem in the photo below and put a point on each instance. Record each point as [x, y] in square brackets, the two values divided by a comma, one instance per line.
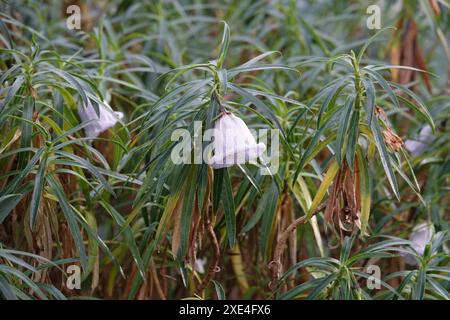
[213, 267]
[275, 264]
[358, 87]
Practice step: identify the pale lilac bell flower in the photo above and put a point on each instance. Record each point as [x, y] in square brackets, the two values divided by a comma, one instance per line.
[106, 119]
[419, 237]
[233, 142]
[417, 147]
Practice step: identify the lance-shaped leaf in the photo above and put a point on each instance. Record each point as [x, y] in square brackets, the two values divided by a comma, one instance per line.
[37, 191]
[70, 217]
[326, 182]
[229, 208]
[384, 156]
[365, 190]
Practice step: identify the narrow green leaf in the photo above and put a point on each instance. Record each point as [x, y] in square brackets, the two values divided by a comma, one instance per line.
[371, 97]
[224, 45]
[229, 208]
[6, 290]
[86, 164]
[219, 290]
[352, 139]
[8, 203]
[27, 129]
[346, 248]
[385, 85]
[186, 212]
[326, 182]
[369, 41]
[70, 217]
[128, 234]
[322, 285]
[268, 218]
[313, 144]
[217, 188]
[24, 172]
[266, 203]
[419, 290]
[365, 191]
[343, 127]
[384, 156]
[259, 104]
[11, 93]
[420, 108]
[37, 191]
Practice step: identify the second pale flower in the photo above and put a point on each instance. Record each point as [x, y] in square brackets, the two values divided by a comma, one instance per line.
[106, 118]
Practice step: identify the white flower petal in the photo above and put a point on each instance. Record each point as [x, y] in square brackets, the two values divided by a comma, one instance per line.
[200, 265]
[419, 237]
[414, 147]
[106, 119]
[234, 143]
[417, 147]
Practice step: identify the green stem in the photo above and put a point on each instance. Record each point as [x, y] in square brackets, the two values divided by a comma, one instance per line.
[358, 86]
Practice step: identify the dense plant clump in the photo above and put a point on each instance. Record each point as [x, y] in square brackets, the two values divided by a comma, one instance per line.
[268, 149]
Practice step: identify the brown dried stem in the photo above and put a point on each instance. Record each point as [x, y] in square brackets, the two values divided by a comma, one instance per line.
[216, 255]
[275, 264]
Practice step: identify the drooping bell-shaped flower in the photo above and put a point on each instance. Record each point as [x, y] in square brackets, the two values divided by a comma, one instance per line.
[417, 147]
[419, 237]
[106, 118]
[233, 142]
